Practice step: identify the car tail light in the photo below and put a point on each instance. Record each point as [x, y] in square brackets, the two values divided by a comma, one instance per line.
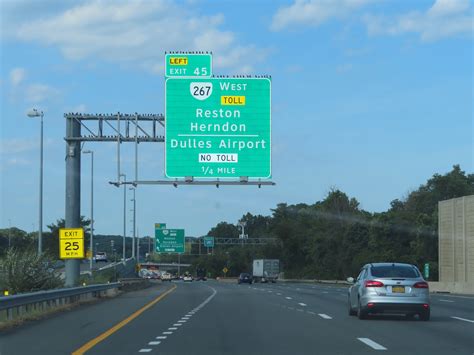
[426, 306]
[370, 305]
[421, 284]
[372, 283]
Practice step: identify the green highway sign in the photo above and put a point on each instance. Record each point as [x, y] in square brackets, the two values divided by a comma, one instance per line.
[188, 65]
[218, 128]
[169, 240]
[209, 242]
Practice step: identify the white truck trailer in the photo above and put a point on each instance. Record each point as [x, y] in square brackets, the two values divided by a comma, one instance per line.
[265, 270]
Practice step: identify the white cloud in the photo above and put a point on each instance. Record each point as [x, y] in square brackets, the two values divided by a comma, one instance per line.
[36, 93]
[17, 75]
[314, 12]
[445, 18]
[137, 33]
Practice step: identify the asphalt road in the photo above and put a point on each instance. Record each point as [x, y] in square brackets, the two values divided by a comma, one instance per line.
[220, 318]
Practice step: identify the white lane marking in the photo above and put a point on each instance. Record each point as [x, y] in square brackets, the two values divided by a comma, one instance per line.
[278, 293]
[154, 342]
[449, 301]
[270, 291]
[182, 321]
[299, 310]
[372, 344]
[464, 319]
[161, 337]
[172, 328]
[302, 304]
[325, 292]
[168, 333]
[177, 325]
[288, 298]
[325, 316]
[310, 312]
[144, 350]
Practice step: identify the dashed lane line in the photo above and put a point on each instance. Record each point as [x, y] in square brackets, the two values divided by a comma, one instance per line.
[302, 304]
[325, 316]
[464, 319]
[154, 342]
[90, 344]
[144, 350]
[372, 344]
[449, 301]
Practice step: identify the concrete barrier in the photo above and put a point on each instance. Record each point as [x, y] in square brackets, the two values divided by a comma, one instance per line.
[464, 288]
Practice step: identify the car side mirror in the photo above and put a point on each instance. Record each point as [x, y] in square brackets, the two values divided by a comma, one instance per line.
[350, 279]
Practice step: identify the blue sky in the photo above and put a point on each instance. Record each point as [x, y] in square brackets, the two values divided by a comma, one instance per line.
[371, 97]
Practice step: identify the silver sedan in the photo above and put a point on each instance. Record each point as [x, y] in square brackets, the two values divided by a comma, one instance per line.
[393, 288]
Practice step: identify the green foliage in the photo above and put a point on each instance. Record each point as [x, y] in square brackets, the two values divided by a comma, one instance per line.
[333, 238]
[26, 271]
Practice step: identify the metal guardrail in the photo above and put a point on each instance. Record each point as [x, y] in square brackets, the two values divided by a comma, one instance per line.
[23, 303]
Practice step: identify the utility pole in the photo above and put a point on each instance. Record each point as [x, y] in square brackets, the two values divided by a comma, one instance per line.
[73, 193]
[124, 215]
[134, 220]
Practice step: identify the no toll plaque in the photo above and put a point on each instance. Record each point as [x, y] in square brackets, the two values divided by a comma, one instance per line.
[218, 128]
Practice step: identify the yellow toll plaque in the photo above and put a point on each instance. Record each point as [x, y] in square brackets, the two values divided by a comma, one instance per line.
[71, 243]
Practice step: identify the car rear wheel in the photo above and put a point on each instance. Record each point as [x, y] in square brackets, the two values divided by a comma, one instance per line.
[361, 314]
[351, 311]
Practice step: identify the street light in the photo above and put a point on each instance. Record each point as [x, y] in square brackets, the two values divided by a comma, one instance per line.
[92, 203]
[124, 213]
[35, 113]
[134, 221]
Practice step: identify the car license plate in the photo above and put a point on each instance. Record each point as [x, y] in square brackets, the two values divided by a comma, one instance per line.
[398, 289]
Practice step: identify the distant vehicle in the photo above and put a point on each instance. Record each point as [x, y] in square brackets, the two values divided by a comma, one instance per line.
[389, 288]
[201, 274]
[245, 278]
[166, 276]
[187, 277]
[265, 270]
[100, 256]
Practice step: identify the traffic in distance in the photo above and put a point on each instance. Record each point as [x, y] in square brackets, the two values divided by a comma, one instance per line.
[236, 177]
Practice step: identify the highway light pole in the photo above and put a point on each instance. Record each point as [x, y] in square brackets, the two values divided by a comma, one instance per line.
[35, 113]
[134, 221]
[124, 214]
[92, 204]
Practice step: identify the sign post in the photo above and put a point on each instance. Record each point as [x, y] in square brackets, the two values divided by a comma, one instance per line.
[71, 243]
[218, 128]
[169, 240]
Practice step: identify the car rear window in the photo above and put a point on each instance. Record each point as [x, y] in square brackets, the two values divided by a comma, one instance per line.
[403, 271]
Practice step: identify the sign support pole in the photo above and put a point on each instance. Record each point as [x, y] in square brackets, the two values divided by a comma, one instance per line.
[73, 194]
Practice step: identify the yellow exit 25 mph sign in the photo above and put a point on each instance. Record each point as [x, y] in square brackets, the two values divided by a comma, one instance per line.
[71, 243]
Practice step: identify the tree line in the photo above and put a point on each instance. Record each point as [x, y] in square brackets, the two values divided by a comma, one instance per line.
[333, 238]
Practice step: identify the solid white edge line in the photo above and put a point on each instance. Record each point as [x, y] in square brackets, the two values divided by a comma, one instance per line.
[372, 344]
[463, 319]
